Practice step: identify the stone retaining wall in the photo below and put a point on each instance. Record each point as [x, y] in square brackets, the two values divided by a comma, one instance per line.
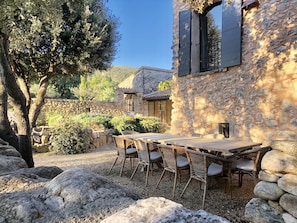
[67, 106]
[277, 190]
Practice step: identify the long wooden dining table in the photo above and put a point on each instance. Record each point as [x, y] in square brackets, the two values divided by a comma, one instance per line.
[224, 147]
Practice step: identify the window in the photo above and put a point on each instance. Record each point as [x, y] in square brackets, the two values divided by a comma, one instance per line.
[210, 38]
[129, 102]
[203, 45]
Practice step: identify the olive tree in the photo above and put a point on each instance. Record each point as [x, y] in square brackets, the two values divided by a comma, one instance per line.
[40, 40]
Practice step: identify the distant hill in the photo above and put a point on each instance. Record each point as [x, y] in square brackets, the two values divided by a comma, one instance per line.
[117, 73]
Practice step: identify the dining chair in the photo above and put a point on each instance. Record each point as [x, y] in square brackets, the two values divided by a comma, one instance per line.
[248, 162]
[129, 142]
[123, 152]
[201, 168]
[173, 162]
[146, 157]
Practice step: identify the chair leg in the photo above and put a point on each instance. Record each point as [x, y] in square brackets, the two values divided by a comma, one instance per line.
[122, 167]
[186, 186]
[174, 183]
[162, 175]
[131, 162]
[134, 171]
[147, 174]
[240, 176]
[204, 194]
[114, 162]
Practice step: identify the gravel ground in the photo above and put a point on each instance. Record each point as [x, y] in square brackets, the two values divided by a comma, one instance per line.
[218, 199]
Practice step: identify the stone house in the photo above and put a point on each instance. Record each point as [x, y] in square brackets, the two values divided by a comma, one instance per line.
[236, 66]
[139, 93]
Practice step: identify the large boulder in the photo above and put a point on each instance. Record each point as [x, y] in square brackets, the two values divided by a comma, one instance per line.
[269, 177]
[10, 158]
[276, 161]
[289, 203]
[286, 146]
[161, 210]
[258, 210]
[74, 195]
[11, 163]
[288, 183]
[7, 150]
[47, 172]
[268, 191]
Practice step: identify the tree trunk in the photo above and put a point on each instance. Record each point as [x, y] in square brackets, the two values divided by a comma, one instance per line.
[19, 103]
[39, 100]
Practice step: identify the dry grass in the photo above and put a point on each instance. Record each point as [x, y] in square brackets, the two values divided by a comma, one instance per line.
[218, 200]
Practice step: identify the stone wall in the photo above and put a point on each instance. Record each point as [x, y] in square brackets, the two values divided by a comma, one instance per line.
[67, 106]
[258, 98]
[277, 190]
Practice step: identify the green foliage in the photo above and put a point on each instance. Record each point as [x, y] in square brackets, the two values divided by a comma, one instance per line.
[85, 119]
[101, 85]
[63, 85]
[69, 137]
[138, 124]
[165, 85]
[93, 121]
[53, 118]
[118, 73]
[151, 124]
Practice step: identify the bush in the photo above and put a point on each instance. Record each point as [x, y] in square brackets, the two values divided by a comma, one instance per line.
[151, 124]
[93, 121]
[53, 118]
[138, 124]
[87, 120]
[70, 137]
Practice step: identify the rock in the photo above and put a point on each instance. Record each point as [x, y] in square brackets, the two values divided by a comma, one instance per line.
[288, 183]
[268, 191]
[289, 218]
[286, 146]
[2, 142]
[48, 172]
[7, 150]
[74, 195]
[11, 163]
[275, 205]
[161, 210]
[257, 210]
[289, 203]
[276, 161]
[17, 182]
[269, 177]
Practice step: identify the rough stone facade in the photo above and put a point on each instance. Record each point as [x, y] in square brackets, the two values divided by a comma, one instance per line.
[258, 98]
[144, 81]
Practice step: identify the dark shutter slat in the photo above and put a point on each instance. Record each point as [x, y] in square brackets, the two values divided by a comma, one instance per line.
[184, 67]
[231, 33]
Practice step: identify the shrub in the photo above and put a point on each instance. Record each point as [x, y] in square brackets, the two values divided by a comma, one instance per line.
[150, 124]
[93, 121]
[121, 123]
[70, 137]
[138, 124]
[53, 118]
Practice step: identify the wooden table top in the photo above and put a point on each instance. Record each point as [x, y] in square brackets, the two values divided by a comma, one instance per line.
[224, 146]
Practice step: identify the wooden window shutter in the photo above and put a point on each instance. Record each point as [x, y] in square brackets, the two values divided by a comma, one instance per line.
[231, 33]
[184, 56]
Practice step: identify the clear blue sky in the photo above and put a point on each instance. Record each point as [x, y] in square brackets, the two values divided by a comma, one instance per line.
[146, 32]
